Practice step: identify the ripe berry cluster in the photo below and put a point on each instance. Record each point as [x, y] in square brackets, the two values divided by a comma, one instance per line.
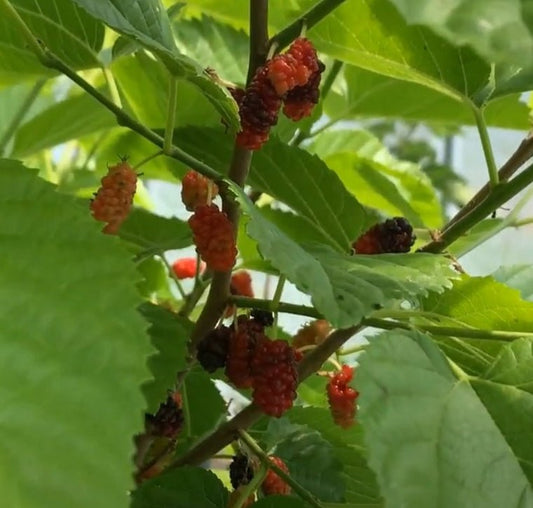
[342, 397]
[112, 202]
[213, 236]
[392, 236]
[273, 484]
[212, 230]
[292, 78]
[267, 366]
[212, 350]
[240, 471]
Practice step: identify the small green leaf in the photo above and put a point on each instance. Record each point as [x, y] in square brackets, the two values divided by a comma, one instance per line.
[169, 334]
[65, 29]
[280, 502]
[155, 234]
[184, 487]
[430, 438]
[73, 350]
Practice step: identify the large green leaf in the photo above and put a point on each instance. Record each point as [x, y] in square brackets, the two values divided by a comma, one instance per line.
[73, 350]
[279, 502]
[377, 179]
[169, 334]
[63, 28]
[71, 118]
[360, 484]
[344, 288]
[146, 21]
[518, 277]
[368, 94]
[144, 83]
[501, 32]
[483, 303]
[430, 438]
[295, 177]
[181, 488]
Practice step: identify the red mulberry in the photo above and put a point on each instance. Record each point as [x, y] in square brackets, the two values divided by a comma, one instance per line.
[273, 484]
[342, 397]
[168, 420]
[185, 268]
[274, 376]
[195, 190]
[293, 68]
[214, 238]
[212, 350]
[301, 100]
[393, 235]
[311, 334]
[112, 203]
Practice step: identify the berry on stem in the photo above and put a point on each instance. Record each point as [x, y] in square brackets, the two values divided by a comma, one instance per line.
[168, 420]
[342, 397]
[195, 190]
[273, 484]
[265, 317]
[274, 376]
[392, 236]
[243, 340]
[259, 108]
[241, 284]
[113, 200]
[185, 268]
[293, 68]
[311, 334]
[212, 350]
[214, 238]
[301, 100]
[240, 470]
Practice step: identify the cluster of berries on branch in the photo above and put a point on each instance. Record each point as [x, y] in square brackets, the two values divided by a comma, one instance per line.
[113, 200]
[212, 230]
[342, 397]
[292, 79]
[391, 236]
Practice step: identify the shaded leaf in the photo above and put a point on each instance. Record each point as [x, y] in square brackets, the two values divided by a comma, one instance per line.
[181, 488]
[518, 277]
[429, 436]
[68, 336]
[153, 233]
[169, 334]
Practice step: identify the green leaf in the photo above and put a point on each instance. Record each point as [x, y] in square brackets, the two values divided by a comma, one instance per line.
[361, 488]
[155, 234]
[203, 406]
[518, 277]
[305, 447]
[144, 83]
[500, 33]
[71, 118]
[65, 29]
[216, 45]
[430, 438]
[71, 332]
[344, 288]
[184, 487]
[169, 334]
[482, 302]
[366, 94]
[146, 21]
[514, 366]
[155, 286]
[377, 179]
